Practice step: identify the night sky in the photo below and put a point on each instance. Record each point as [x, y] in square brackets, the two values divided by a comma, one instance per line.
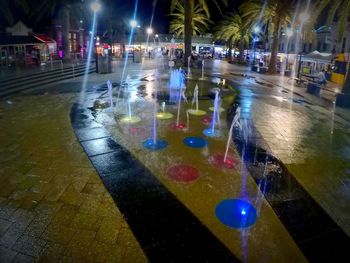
[123, 10]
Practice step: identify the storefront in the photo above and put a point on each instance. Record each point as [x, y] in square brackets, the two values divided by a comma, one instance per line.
[25, 50]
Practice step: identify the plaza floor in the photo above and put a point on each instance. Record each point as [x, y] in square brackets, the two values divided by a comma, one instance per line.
[67, 196]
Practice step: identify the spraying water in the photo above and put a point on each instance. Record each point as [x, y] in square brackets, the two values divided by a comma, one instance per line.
[195, 101]
[176, 82]
[109, 85]
[189, 67]
[86, 73]
[235, 122]
[333, 115]
[129, 42]
[179, 108]
[203, 69]
[212, 132]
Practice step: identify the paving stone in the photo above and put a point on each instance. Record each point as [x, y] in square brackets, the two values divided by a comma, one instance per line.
[12, 234]
[71, 196]
[58, 233]
[4, 225]
[135, 255]
[79, 246]
[21, 258]
[109, 230]
[52, 252]
[29, 245]
[65, 215]
[100, 252]
[6, 255]
[86, 221]
[38, 225]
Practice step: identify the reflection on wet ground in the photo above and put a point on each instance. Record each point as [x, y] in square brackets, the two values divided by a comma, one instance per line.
[298, 131]
[297, 154]
[213, 184]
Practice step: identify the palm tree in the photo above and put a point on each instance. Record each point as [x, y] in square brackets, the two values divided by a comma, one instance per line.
[7, 7]
[233, 30]
[200, 21]
[189, 6]
[275, 14]
[341, 10]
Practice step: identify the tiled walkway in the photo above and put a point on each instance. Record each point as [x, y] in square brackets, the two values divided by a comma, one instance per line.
[53, 205]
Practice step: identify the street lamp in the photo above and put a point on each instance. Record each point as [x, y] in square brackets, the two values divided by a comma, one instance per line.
[149, 31]
[133, 23]
[95, 7]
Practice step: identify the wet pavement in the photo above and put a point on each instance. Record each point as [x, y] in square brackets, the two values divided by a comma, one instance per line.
[124, 206]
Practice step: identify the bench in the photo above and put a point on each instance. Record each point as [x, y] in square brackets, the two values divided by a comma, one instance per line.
[298, 81]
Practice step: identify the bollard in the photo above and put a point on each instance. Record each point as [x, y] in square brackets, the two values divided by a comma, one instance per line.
[73, 71]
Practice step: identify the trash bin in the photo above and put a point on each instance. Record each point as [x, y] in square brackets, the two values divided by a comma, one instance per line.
[254, 68]
[314, 89]
[104, 62]
[287, 73]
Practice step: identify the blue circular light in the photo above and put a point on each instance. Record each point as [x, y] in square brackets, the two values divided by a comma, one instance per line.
[195, 142]
[149, 144]
[236, 213]
[209, 132]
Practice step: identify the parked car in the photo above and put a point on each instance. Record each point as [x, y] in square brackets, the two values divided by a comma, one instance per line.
[207, 55]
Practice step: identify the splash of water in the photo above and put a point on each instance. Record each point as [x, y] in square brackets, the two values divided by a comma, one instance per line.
[189, 67]
[176, 82]
[215, 112]
[86, 73]
[179, 107]
[195, 97]
[235, 123]
[109, 85]
[155, 110]
[129, 43]
[203, 68]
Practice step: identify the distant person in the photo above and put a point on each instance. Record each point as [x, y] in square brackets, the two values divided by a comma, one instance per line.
[322, 77]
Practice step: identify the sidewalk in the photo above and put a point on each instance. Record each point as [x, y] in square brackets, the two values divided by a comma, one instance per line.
[53, 205]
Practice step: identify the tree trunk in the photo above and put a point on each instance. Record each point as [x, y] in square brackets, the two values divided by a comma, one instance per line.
[229, 53]
[346, 87]
[65, 32]
[241, 50]
[188, 4]
[274, 49]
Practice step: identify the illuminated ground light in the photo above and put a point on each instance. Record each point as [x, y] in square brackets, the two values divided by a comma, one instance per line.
[152, 145]
[130, 119]
[220, 109]
[164, 115]
[137, 131]
[206, 120]
[218, 161]
[236, 213]
[175, 126]
[197, 112]
[195, 142]
[183, 173]
[211, 133]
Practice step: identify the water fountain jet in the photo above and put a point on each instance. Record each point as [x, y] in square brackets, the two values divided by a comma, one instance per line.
[196, 111]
